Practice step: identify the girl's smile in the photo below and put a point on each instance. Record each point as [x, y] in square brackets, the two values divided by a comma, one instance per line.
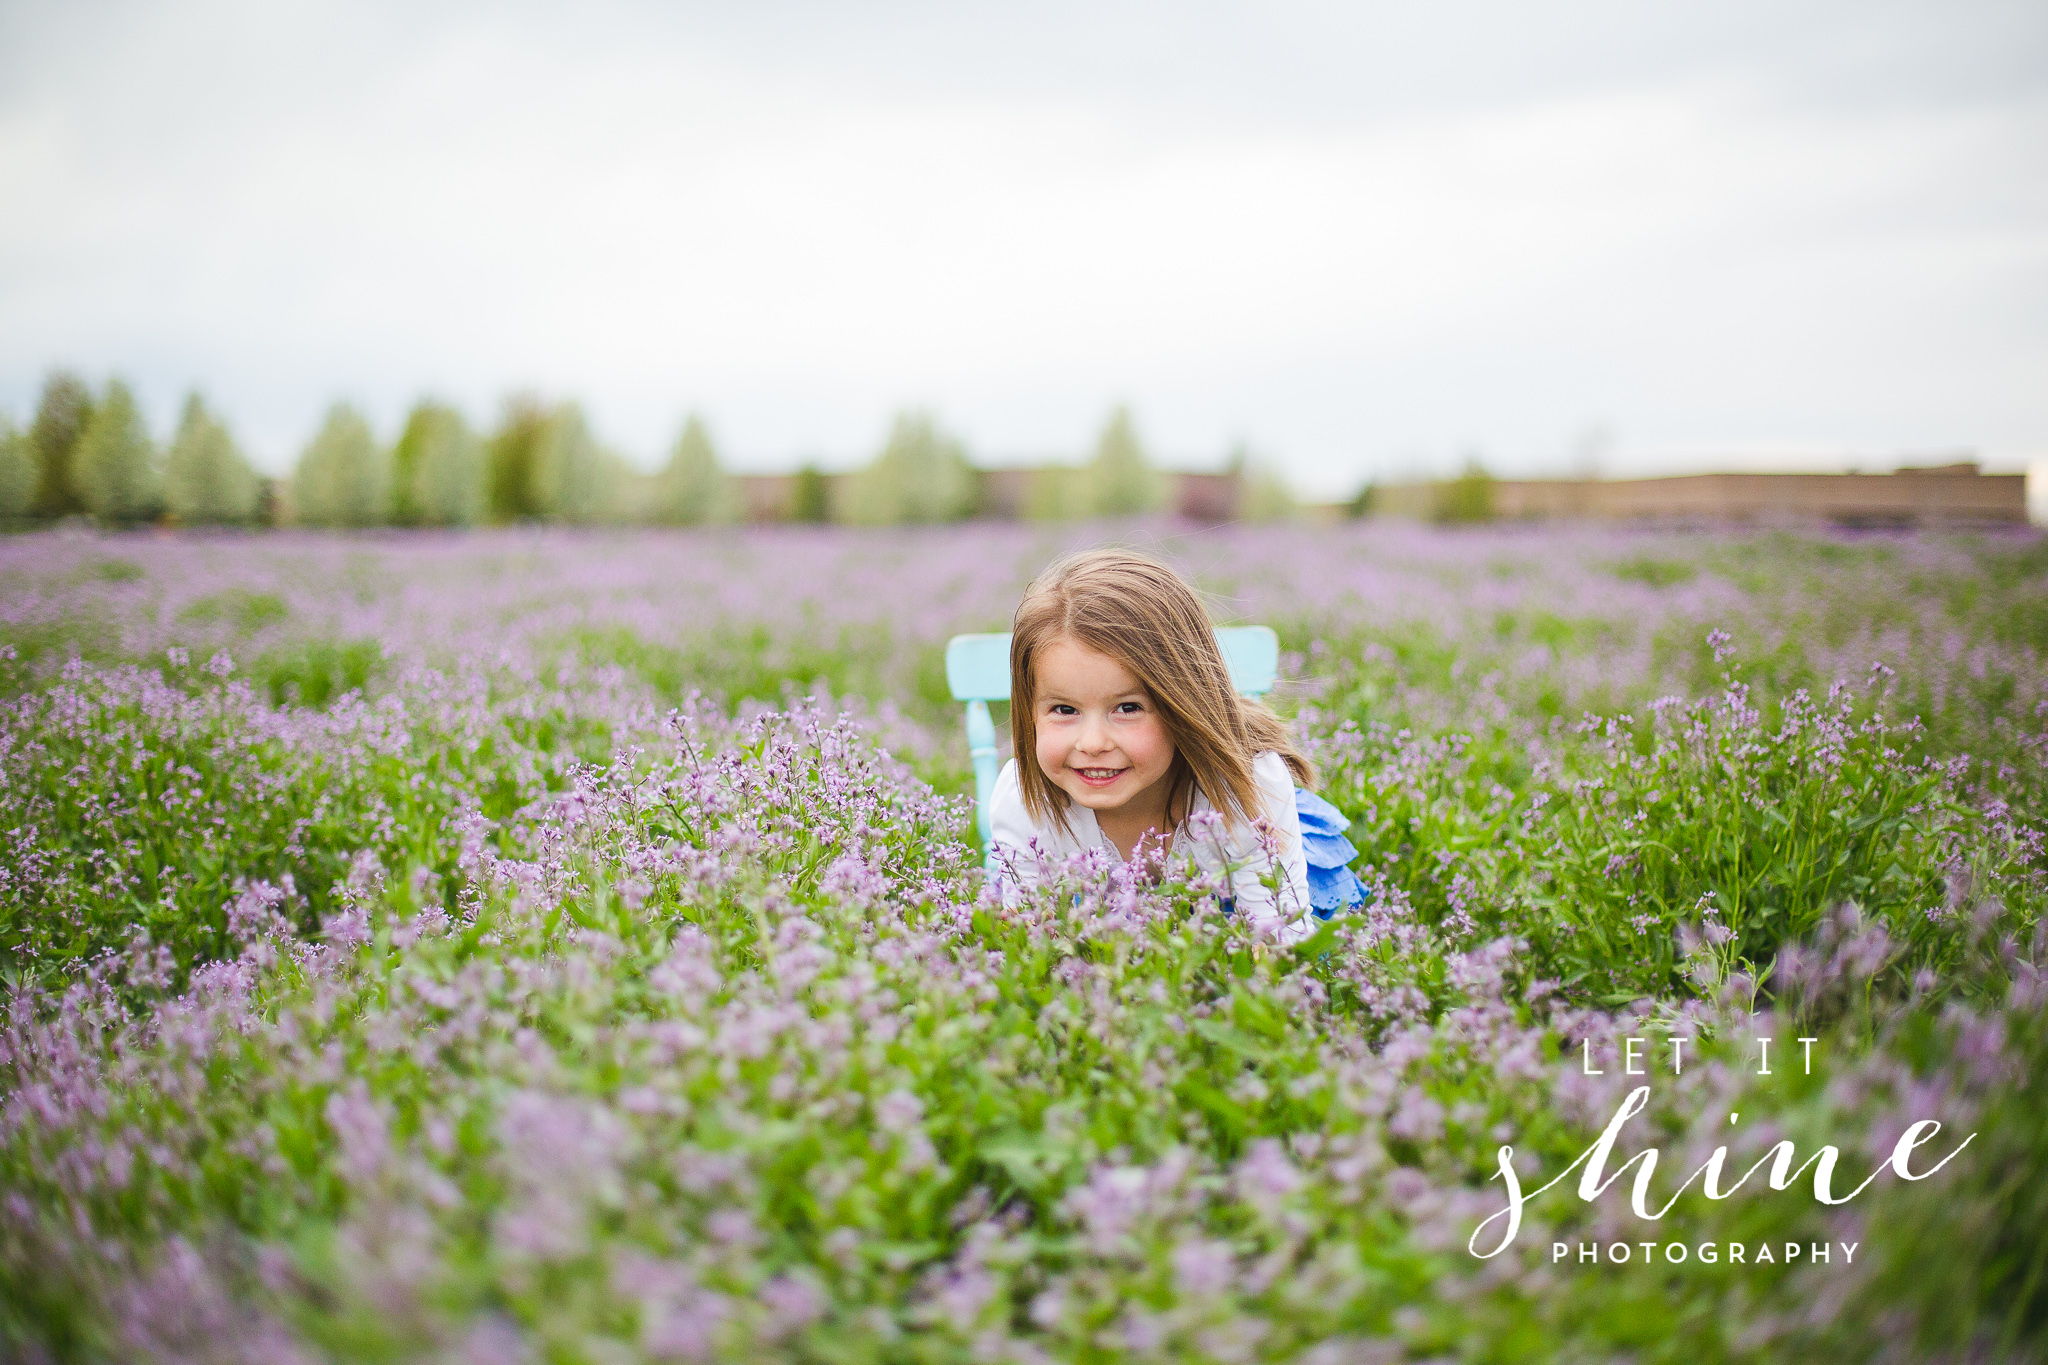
[1102, 741]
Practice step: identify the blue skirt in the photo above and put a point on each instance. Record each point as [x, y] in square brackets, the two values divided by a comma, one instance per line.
[1332, 886]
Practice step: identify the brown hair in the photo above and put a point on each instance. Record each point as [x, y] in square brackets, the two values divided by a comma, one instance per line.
[1142, 614]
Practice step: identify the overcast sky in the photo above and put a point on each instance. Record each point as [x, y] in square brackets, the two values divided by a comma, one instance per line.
[1364, 239]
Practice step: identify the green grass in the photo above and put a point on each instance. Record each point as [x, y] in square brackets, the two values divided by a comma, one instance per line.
[389, 1005]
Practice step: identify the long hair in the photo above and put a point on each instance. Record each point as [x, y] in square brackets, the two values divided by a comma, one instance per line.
[1142, 614]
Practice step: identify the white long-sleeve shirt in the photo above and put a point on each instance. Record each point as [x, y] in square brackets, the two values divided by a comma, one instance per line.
[1020, 844]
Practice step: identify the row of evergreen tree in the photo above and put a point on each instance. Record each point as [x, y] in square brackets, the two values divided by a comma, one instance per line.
[92, 454]
[922, 474]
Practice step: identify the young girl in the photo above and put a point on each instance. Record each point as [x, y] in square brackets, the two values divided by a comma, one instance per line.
[1125, 725]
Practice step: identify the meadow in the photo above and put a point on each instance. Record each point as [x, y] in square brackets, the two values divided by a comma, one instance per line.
[570, 945]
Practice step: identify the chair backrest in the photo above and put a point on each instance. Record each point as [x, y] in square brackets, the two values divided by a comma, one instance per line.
[978, 666]
[978, 671]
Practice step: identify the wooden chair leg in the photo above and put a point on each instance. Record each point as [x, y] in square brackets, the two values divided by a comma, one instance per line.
[981, 747]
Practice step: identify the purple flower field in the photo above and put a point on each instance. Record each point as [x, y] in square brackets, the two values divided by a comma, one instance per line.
[538, 945]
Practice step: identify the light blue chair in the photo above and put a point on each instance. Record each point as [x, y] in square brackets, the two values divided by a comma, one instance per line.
[978, 671]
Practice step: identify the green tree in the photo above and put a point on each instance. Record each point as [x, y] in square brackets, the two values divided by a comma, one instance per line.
[811, 499]
[343, 478]
[1057, 493]
[115, 463]
[1120, 479]
[53, 440]
[17, 471]
[206, 479]
[693, 489]
[438, 473]
[513, 455]
[922, 475]
[543, 462]
[1467, 498]
[577, 479]
[1262, 491]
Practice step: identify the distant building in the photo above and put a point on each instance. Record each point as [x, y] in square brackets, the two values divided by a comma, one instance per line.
[1208, 497]
[768, 497]
[1947, 495]
[1006, 493]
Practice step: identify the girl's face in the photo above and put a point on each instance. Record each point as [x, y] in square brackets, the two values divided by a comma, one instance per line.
[1100, 738]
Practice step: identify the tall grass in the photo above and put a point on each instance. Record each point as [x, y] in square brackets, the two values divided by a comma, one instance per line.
[542, 946]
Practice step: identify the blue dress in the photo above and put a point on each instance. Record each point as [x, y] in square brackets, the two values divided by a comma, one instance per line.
[1332, 886]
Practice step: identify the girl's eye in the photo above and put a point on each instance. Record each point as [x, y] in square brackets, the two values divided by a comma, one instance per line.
[1130, 708]
[1060, 708]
